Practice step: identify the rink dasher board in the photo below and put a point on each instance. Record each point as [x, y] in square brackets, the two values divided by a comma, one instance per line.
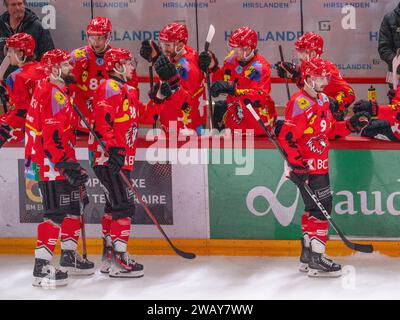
[186, 198]
[210, 202]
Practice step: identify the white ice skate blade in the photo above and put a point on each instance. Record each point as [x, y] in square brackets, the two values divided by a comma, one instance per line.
[47, 283]
[78, 272]
[105, 267]
[303, 267]
[132, 274]
[314, 273]
[105, 270]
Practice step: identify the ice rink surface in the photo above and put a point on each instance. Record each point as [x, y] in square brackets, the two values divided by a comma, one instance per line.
[366, 276]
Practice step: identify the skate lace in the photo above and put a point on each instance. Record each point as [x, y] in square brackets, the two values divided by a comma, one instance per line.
[127, 259]
[327, 261]
[78, 257]
[49, 269]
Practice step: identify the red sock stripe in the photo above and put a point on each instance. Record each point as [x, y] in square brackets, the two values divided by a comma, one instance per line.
[71, 229]
[47, 236]
[318, 229]
[106, 221]
[120, 230]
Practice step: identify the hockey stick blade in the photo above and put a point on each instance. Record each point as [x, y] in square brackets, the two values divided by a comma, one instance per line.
[210, 36]
[186, 255]
[365, 248]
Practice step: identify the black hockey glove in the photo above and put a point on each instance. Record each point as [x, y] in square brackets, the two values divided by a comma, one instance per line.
[72, 172]
[334, 107]
[4, 134]
[358, 122]
[220, 87]
[146, 51]
[116, 159]
[287, 70]
[165, 68]
[205, 60]
[366, 106]
[167, 72]
[376, 127]
[161, 91]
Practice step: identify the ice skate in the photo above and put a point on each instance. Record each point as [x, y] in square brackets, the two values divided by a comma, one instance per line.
[123, 267]
[72, 262]
[321, 266]
[47, 276]
[304, 257]
[106, 258]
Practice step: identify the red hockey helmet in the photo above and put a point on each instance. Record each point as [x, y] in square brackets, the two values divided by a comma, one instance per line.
[315, 67]
[174, 32]
[310, 41]
[116, 55]
[243, 37]
[99, 26]
[54, 57]
[22, 41]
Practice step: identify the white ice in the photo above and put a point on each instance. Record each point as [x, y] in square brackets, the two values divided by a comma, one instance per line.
[367, 276]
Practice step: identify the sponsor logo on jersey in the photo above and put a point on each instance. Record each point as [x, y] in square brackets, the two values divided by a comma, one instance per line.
[317, 144]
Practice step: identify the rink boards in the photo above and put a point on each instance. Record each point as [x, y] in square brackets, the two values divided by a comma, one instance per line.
[229, 199]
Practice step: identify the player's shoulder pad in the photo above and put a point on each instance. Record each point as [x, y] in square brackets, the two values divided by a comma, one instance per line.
[183, 67]
[300, 103]
[11, 78]
[79, 54]
[111, 88]
[58, 101]
[230, 58]
[254, 71]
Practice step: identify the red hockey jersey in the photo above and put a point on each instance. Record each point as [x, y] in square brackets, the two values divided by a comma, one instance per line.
[337, 89]
[90, 72]
[308, 127]
[116, 121]
[49, 128]
[253, 81]
[20, 86]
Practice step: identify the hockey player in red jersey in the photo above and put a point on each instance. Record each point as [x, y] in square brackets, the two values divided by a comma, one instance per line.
[309, 125]
[188, 112]
[89, 67]
[245, 74]
[20, 85]
[338, 90]
[50, 160]
[116, 117]
[386, 118]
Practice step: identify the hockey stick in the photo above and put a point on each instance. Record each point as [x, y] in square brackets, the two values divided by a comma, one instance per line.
[366, 248]
[186, 255]
[210, 111]
[286, 80]
[151, 76]
[83, 230]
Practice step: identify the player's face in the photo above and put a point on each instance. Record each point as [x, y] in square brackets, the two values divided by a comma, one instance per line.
[66, 72]
[98, 43]
[13, 55]
[243, 53]
[130, 68]
[302, 55]
[320, 83]
[168, 48]
[16, 8]
[171, 49]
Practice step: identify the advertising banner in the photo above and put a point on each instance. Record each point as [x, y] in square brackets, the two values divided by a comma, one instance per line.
[153, 182]
[265, 205]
